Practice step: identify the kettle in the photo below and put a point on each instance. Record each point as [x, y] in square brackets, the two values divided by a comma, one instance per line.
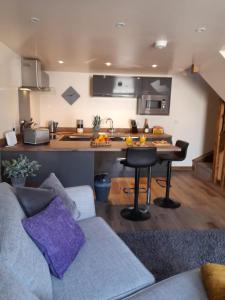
[52, 125]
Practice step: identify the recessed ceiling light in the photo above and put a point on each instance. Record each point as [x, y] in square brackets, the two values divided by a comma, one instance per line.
[120, 24]
[108, 64]
[35, 20]
[60, 62]
[154, 66]
[200, 29]
[160, 44]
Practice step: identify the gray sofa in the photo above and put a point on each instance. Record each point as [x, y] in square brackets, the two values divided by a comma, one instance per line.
[104, 269]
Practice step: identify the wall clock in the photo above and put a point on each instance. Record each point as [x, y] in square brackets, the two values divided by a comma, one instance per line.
[70, 95]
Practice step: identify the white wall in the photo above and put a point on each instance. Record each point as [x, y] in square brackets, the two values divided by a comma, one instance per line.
[10, 80]
[192, 114]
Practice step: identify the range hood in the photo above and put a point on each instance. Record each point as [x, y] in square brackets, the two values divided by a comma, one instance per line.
[33, 77]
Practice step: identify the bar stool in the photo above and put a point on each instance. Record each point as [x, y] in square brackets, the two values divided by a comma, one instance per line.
[166, 201]
[137, 158]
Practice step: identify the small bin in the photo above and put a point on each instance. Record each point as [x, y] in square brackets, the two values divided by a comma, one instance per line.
[102, 187]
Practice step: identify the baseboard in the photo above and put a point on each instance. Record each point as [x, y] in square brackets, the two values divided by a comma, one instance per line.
[182, 168]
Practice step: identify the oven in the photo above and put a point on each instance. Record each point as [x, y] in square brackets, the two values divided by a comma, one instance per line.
[153, 105]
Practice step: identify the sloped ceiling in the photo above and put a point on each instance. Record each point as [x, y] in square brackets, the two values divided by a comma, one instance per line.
[83, 33]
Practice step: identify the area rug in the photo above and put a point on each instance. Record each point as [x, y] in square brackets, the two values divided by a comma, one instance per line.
[169, 252]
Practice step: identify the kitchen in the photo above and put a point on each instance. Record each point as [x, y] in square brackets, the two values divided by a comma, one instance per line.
[120, 106]
[193, 104]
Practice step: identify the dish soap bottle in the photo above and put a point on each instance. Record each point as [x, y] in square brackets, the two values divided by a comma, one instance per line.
[146, 127]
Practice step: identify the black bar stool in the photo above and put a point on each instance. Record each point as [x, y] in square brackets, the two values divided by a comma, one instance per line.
[166, 201]
[137, 158]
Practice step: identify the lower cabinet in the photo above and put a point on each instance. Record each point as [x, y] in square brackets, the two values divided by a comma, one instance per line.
[71, 167]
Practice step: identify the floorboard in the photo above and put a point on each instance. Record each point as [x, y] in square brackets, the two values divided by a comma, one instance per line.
[202, 205]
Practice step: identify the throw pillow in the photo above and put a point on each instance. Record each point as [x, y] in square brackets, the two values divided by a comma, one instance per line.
[213, 276]
[57, 235]
[52, 182]
[34, 200]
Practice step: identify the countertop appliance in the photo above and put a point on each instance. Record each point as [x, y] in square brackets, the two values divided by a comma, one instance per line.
[35, 136]
[153, 105]
[33, 77]
[52, 126]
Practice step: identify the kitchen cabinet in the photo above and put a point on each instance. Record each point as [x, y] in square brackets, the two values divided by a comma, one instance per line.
[116, 86]
[129, 86]
[156, 85]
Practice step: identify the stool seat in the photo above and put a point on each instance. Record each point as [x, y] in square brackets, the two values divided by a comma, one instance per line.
[137, 158]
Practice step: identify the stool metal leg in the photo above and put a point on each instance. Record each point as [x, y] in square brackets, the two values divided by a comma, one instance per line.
[136, 188]
[149, 178]
[167, 202]
[135, 213]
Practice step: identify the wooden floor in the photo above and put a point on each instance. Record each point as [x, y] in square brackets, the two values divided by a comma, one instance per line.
[202, 205]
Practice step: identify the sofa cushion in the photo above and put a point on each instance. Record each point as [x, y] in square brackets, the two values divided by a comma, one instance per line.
[11, 288]
[104, 269]
[185, 286]
[34, 200]
[213, 278]
[53, 183]
[18, 251]
[57, 235]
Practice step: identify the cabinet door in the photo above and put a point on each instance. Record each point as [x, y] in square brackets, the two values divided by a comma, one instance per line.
[102, 85]
[124, 86]
[156, 85]
[116, 86]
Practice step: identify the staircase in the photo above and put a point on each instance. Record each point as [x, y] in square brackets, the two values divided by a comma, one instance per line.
[203, 166]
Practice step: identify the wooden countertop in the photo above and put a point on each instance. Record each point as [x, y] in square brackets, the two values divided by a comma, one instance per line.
[57, 145]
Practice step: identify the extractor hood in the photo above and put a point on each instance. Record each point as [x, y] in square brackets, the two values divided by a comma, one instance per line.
[33, 77]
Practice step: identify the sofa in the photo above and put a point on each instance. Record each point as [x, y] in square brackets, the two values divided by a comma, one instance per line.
[105, 268]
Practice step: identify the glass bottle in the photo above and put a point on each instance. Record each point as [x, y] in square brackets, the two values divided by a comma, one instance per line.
[146, 127]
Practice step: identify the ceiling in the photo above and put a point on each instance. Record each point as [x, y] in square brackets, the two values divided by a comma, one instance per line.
[83, 34]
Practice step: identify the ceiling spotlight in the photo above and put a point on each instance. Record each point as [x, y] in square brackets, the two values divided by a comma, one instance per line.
[120, 24]
[154, 66]
[34, 20]
[200, 29]
[160, 44]
[108, 64]
[60, 62]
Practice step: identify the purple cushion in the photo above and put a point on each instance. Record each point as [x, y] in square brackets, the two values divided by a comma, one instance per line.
[57, 235]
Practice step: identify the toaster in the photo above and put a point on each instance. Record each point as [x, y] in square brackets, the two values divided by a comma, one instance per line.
[35, 136]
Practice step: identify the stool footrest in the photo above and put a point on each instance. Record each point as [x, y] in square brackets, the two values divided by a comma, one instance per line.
[130, 190]
[166, 203]
[135, 214]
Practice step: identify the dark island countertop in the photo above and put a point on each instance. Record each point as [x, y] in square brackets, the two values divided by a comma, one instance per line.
[116, 146]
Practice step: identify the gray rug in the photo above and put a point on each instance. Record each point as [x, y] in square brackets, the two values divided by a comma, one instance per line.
[169, 252]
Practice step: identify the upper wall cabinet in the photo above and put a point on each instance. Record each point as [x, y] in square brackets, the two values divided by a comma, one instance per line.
[128, 86]
[116, 86]
[156, 85]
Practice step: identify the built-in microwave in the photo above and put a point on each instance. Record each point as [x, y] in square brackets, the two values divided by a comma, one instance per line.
[153, 105]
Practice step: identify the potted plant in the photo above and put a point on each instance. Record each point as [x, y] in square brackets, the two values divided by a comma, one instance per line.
[96, 125]
[18, 169]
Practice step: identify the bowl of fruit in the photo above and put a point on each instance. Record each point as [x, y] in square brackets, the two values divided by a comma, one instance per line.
[102, 140]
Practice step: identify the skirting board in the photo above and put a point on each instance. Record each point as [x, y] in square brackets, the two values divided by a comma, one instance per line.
[182, 168]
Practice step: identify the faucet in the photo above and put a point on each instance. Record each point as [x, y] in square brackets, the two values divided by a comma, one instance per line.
[111, 129]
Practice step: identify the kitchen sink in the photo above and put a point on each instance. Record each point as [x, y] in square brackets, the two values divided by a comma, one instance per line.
[88, 138]
[75, 138]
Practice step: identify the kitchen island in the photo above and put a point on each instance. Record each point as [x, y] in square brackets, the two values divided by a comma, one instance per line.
[76, 162]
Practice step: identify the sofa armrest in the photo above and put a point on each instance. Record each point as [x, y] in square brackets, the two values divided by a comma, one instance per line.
[84, 199]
